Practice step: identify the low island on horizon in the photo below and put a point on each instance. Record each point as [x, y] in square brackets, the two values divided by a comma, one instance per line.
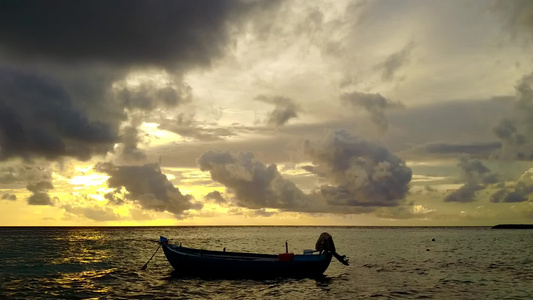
[513, 226]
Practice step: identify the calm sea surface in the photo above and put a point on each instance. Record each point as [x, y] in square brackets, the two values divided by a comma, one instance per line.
[105, 263]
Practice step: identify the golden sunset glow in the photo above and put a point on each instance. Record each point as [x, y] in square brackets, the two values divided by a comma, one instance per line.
[280, 113]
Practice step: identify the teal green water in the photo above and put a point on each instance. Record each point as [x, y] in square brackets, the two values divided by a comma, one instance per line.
[386, 263]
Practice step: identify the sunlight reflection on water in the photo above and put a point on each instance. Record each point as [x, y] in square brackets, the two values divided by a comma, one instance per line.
[385, 263]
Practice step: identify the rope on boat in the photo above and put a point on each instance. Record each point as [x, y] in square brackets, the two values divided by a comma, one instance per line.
[146, 264]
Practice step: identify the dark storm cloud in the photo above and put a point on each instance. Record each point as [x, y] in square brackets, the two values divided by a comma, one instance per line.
[394, 62]
[217, 197]
[285, 109]
[476, 177]
[374, 104]
[363, 174]
[147, 186]
[124, 32]
[86, 50]
[147, 97]
[254, 184]
[38, 118]
[7, 196]
[187, 127]
[40, 194]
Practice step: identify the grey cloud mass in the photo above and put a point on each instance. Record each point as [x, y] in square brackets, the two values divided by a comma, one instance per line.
[362, 173]
[163, 33]
[148, 186]
[40, 194]
[394, 62]
[93, 212]
[61, 60]
[374, 104]
[130, 139]
[38, 118]
[147, 97]
[254, 184]
[186, 126]
[519, 191]
[285, 109]
[480, 149]
[216, 196]
[8, 196]
[476, 177]
[365, 175]
[516, 131]
[516, 16]
[11, 173]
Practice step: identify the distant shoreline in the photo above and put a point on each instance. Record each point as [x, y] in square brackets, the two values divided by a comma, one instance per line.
[513, 226]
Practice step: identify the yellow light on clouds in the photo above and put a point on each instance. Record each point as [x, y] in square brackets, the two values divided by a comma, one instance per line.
[93, 179]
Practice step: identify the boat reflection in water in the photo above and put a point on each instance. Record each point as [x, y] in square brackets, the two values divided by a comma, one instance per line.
[222, 264]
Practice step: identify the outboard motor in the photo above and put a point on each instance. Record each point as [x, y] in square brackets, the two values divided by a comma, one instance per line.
[325, 244]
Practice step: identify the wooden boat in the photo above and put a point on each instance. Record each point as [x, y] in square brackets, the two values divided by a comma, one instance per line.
[222, 264]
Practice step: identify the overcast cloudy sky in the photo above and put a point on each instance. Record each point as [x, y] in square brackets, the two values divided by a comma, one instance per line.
[266, 112]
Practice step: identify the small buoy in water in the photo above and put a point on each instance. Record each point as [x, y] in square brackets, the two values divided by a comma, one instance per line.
[427, 249]
[432, 240]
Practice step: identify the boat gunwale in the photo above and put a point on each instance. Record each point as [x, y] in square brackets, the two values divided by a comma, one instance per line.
[214, 254]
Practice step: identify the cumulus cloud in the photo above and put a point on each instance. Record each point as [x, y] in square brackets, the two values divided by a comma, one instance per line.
[374, 104]
[254, 184]
[147, 186]
[476, 177]
[40, 194]
[362, 176]
[285, 109]
[518, 191]
[361, 173]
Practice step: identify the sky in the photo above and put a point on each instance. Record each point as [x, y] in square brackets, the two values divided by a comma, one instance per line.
[369, 113]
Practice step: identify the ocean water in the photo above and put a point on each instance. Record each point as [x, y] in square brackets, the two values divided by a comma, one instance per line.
[385, 263]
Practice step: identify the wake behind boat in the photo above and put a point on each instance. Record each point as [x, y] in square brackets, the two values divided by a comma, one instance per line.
[222, 264]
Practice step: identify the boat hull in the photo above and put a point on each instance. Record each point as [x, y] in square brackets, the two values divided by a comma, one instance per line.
[218, 264]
